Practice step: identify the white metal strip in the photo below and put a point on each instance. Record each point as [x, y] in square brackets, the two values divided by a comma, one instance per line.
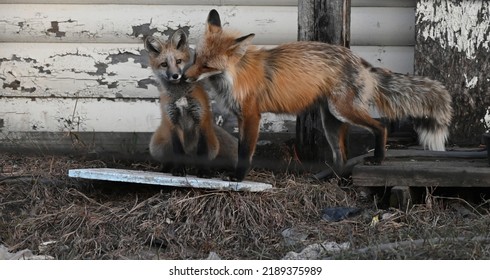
[163, 179]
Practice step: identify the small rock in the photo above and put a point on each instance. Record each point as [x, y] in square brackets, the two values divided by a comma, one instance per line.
[335, 214]
[292, 236]
[317, 251]
[21, 255]
[213, 256]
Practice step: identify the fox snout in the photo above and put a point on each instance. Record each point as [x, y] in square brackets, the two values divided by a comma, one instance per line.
[197, 73]
[174, 77]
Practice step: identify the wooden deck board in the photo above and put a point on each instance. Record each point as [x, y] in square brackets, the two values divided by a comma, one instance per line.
[444, 172]
[164, 179]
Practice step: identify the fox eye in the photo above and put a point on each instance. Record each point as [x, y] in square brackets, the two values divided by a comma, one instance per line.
[164, 64]
[178, 61]
[206, 66]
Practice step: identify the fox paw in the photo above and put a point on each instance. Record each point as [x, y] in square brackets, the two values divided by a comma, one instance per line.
[230, 176]
[178, 171]
[204, 173]
[166, 168]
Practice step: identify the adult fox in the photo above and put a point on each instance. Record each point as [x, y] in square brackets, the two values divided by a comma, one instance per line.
[299, 75]
[187, 133]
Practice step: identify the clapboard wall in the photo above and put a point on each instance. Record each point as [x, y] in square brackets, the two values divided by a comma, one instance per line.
[77, 66]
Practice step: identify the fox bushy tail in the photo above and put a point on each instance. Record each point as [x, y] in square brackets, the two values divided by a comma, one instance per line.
[426, 101]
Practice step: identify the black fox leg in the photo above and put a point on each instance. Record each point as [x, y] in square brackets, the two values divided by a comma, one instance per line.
[166, 167]
[178, 168]
[380, 135]
[203, 162]
[243, 163]
[336, 133]
[249, 133]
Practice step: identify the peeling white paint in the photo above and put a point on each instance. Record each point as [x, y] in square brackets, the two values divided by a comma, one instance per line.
[114, 70]
[275, 123]
[456, 25]
[486, 120]
[99, 115]
[389, 26]
[75, 70]
[471, 83]
[78, 115]
[129, 23]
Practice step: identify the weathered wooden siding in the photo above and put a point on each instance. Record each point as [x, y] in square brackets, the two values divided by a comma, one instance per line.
[129, 23]
[355, 3]
[453, 46]
[66, 62]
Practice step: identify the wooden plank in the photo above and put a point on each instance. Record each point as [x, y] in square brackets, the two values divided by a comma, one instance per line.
[421, 154]
[101, 145]
[355, 3]
[167, 2]
[163, 179]
[383, 3]
[131, 146]
[408, 154]
[417, 173]
[74, 115]
[75, 70]
[401, 197]
[389, 26]
[79, 115]
[129, 23]
[396, 58]
[113, 70]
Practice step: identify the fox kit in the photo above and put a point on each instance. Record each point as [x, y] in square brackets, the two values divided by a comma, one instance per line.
[295, 76]
[187, 133]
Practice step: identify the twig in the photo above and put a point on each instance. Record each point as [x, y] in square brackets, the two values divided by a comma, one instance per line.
[14, 178]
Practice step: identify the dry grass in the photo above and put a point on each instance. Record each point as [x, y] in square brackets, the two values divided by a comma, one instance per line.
[100, 220]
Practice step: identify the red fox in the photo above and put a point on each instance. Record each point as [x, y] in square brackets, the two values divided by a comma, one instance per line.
[296, 76]
[187, 133]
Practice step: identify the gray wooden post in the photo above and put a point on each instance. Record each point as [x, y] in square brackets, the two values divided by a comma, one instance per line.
[325, 21]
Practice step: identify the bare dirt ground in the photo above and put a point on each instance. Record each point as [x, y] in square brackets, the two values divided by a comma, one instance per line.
[45, 211]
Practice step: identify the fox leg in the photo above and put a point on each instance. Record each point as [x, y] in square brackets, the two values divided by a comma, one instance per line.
[207, 145]
[380, 136]
[161, 148]
[178, 169]
[248, 125]
[336, 133]
[360, 117]
[228, 150]
[211, 139]
[203, 170]
[207, 148]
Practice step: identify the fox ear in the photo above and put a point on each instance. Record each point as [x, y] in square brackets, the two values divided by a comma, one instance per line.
[153, 45]
[214, 22]
[241, 44]
[179, 39]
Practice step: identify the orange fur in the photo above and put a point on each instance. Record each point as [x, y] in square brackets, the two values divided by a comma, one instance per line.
[187, 121]
[296, 76]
